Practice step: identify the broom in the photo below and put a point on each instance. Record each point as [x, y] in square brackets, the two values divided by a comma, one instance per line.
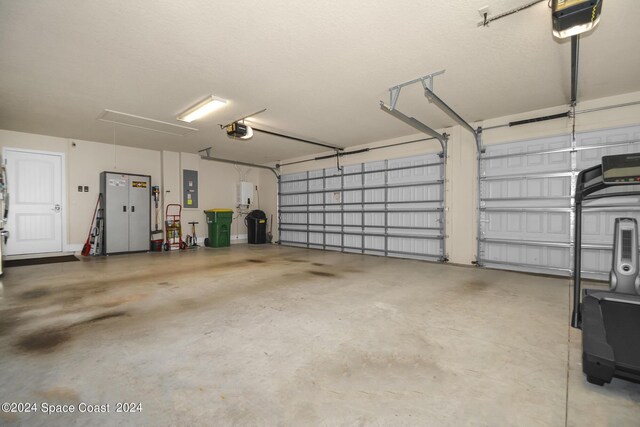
[86, 249]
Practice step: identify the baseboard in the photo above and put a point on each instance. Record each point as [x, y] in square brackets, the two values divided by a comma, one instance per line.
[40, 255]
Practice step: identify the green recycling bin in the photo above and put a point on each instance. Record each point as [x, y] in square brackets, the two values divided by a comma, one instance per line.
[219, 223]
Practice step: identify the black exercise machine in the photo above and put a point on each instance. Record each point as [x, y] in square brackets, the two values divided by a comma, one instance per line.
[610, 320]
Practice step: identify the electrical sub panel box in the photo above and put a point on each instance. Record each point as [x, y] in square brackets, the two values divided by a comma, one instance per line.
[189, 188]
[245, 193]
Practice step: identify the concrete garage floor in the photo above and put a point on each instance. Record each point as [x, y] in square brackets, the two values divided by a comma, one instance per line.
[270, 335]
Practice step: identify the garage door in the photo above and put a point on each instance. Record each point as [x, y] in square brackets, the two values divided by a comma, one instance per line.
[390, 207]
[526, 203]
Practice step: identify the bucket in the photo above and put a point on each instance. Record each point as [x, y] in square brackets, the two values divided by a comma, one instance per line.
[156, 245]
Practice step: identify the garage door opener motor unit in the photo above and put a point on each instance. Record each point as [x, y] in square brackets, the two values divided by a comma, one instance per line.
[609, 319]
[572, 17]
[239, 130]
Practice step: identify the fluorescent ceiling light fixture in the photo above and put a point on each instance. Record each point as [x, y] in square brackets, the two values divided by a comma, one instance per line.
[145, 123]
[201, 109]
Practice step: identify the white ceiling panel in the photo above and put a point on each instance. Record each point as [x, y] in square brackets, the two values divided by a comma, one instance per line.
[320, 68]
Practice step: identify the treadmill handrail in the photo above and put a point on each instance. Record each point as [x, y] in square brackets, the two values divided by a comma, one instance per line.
[589, 181]
[586, 175]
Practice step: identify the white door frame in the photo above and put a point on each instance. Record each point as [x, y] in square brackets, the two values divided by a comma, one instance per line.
[63, 183]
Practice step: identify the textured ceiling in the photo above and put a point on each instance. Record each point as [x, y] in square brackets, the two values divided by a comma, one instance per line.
[319, 67]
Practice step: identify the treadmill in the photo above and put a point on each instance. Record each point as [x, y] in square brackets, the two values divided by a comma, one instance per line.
[610, 320]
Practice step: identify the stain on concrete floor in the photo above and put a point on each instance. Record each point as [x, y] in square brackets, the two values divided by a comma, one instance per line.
[50, 339]
[44, 341]
[35, 293]
[321, 273]
[104, 316]
[94, 295]
[475, 285]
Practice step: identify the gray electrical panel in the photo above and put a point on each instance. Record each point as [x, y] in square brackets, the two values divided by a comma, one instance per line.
[189, 189]
[126, 206]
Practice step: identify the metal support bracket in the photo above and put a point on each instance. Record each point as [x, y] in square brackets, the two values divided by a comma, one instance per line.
[427, 81]
[427, 86]
[411, 121]
[207, 151]
[432, 97]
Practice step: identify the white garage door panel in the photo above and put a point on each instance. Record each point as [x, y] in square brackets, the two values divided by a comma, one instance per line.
[515, 162]
[622, 136]
[545, 188]
[527, 199]
[530, 225]
[391, 207]
[295, 238]
[596, 261]
[597, 227]
[527, 257]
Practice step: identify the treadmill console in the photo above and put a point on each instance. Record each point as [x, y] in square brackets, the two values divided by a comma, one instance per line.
[621, 169]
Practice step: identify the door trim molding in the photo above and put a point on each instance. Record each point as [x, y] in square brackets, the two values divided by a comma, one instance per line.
[63, 183]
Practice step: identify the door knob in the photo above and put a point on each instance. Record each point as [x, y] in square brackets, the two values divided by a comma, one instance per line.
[56, 208]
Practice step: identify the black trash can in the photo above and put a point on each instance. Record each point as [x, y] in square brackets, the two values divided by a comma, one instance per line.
[256, 222]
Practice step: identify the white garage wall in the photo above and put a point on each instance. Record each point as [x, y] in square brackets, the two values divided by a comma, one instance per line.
[85, 161]
[218, 190]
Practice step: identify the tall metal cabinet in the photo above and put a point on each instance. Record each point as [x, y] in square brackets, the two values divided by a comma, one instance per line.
[126, 204]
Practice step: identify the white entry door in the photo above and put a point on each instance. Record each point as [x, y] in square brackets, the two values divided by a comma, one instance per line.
[35, 202]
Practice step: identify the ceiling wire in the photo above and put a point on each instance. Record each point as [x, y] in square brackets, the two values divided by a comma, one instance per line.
[487, 20]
